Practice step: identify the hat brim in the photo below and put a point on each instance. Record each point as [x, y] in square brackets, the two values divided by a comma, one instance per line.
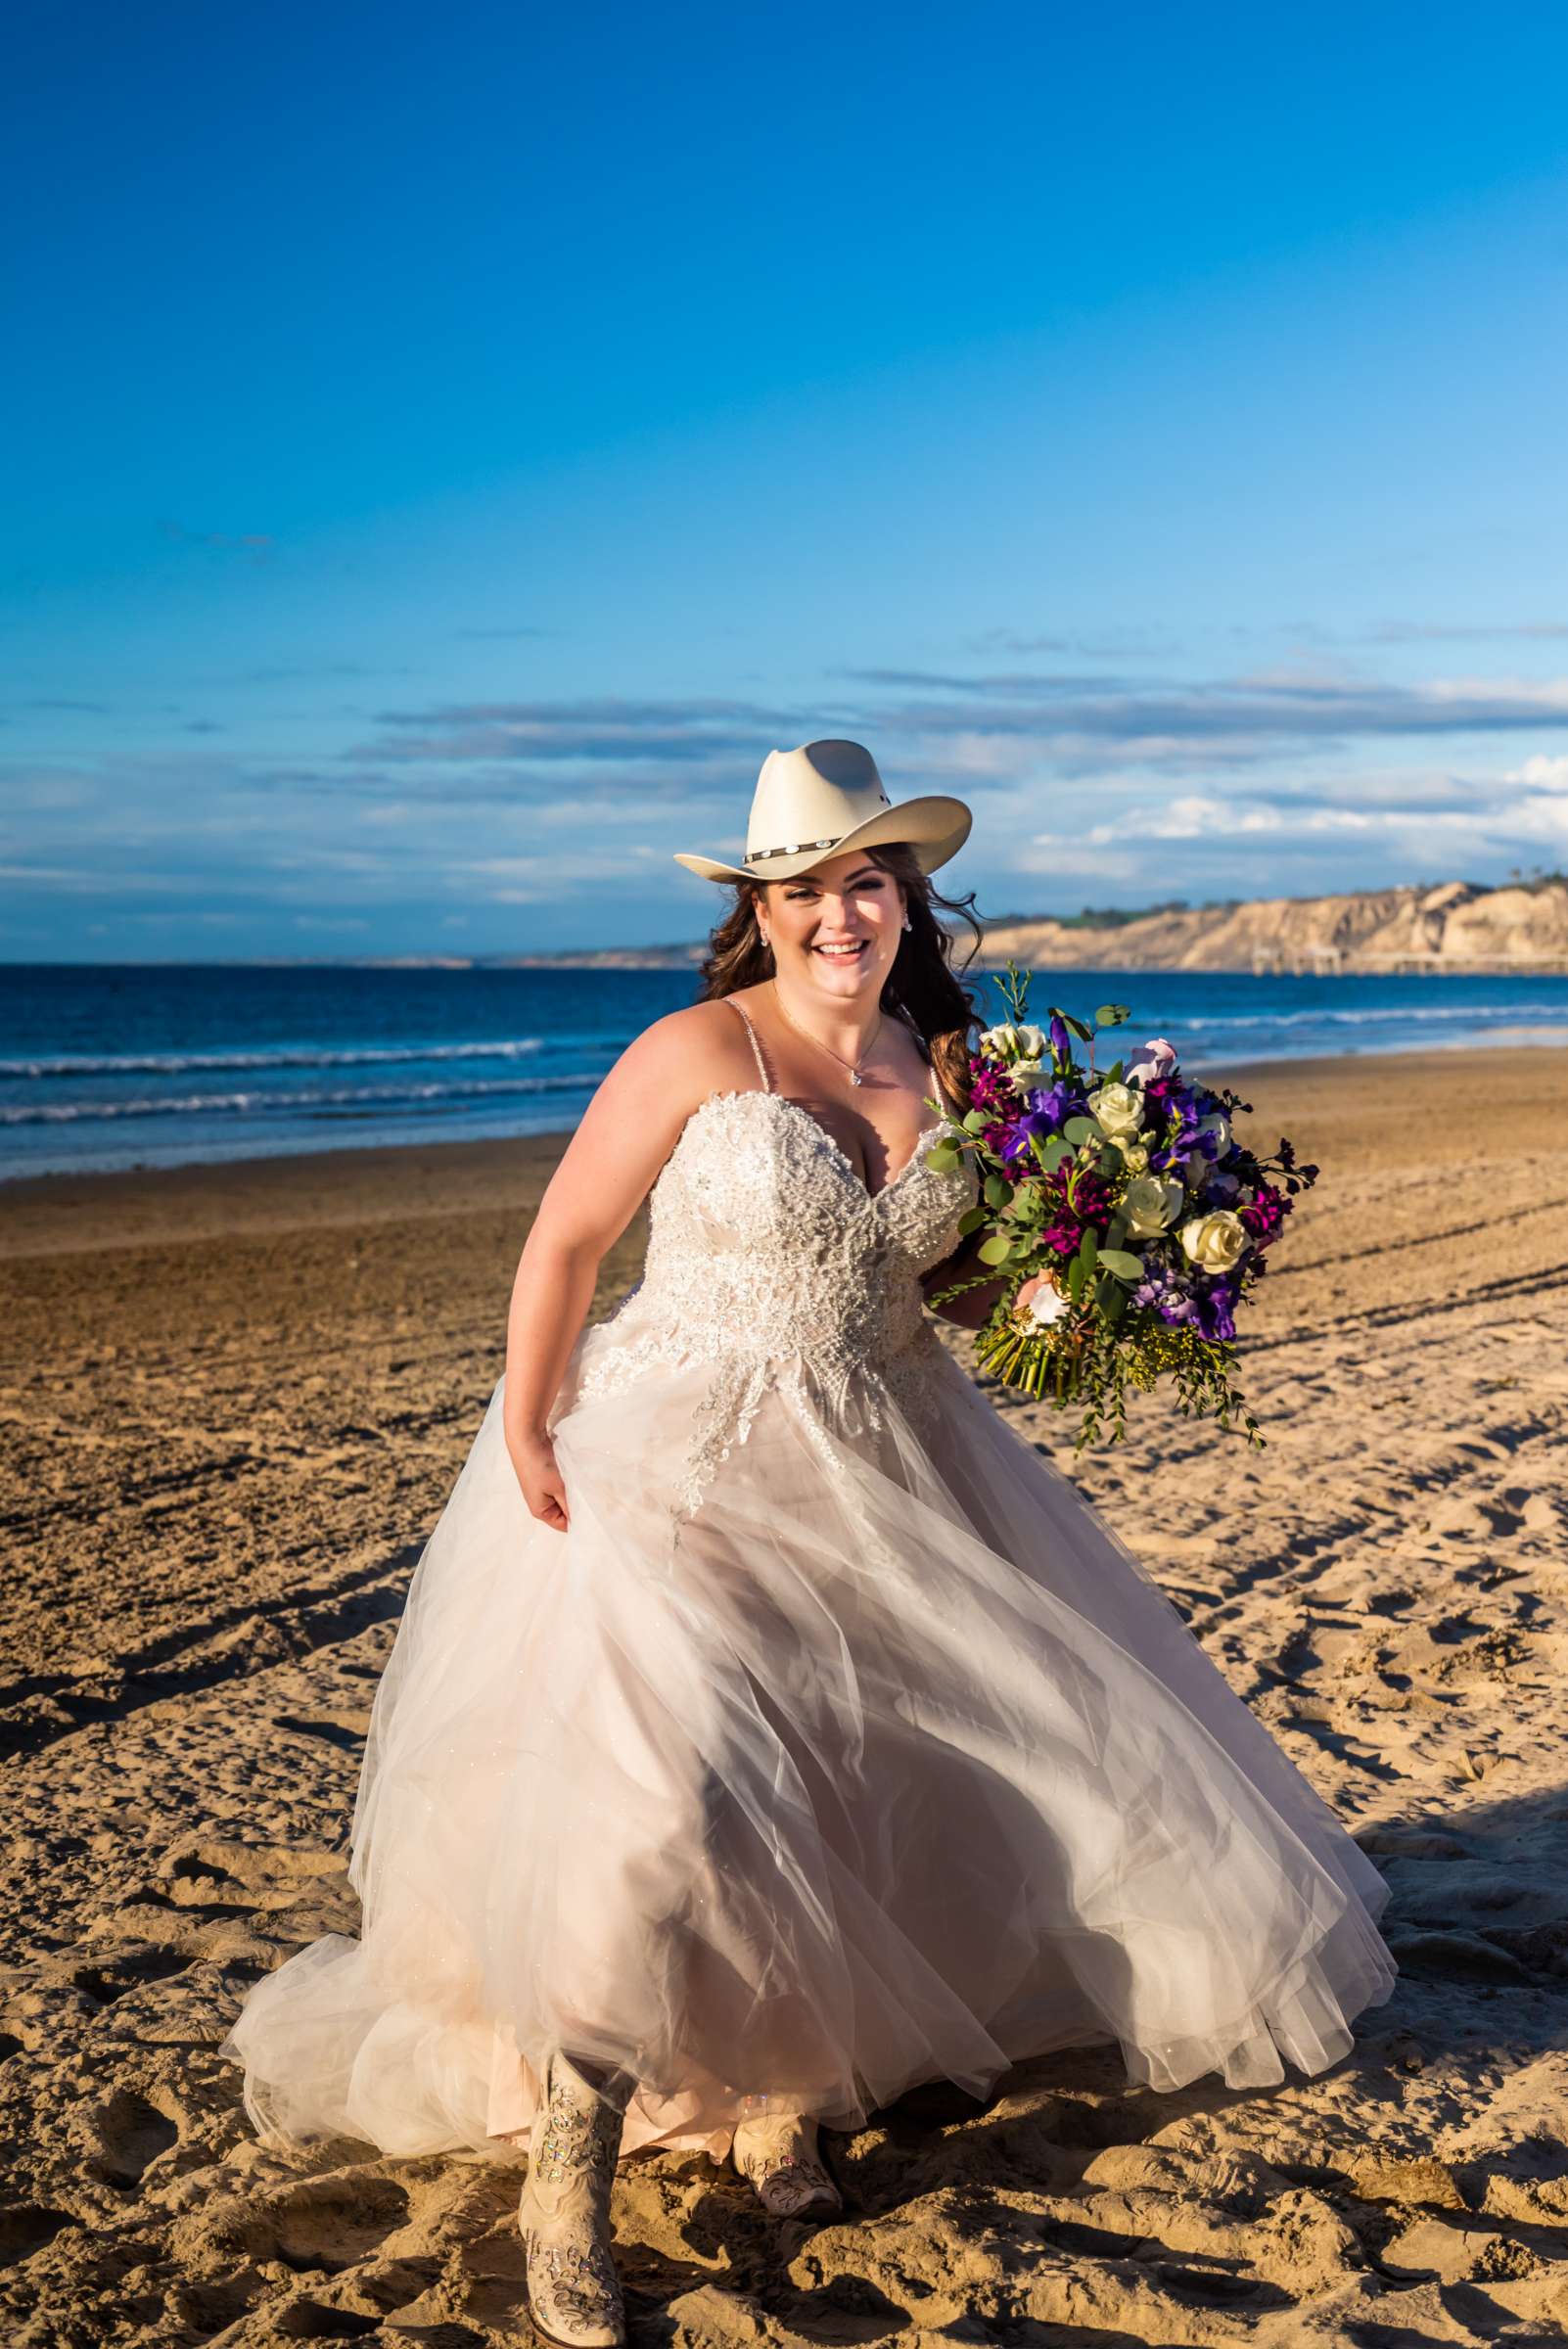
[935, 828]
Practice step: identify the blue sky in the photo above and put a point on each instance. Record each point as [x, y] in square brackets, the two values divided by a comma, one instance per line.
[447, 448]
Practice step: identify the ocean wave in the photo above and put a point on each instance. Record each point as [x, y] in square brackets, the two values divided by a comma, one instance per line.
[348, 1096]
[286, 1056]
[1384, 1014]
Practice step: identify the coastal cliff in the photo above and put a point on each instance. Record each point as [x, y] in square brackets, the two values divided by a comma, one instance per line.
[1457, 926]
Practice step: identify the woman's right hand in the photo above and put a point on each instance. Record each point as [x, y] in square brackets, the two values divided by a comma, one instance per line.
[543, 1487]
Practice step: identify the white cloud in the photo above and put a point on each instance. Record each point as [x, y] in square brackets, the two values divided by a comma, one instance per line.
[1541, 774]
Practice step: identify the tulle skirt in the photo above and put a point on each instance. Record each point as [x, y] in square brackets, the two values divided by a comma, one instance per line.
[888, 1764]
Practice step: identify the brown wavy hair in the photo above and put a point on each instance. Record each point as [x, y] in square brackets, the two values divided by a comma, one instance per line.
[922, 989]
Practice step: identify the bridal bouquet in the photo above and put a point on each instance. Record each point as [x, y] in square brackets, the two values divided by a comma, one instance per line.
[1124, 1196]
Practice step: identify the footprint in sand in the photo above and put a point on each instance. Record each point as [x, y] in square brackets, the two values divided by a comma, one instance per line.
[27, 2229]
[125, 1970]
[131, 2136]
[329, 2223]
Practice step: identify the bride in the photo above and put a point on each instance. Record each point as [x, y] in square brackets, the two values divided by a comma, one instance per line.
[769, 1727]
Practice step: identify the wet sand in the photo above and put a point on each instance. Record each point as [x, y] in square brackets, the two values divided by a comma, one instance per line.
[235, 1400]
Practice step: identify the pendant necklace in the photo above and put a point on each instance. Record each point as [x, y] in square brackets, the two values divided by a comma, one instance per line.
[853, 1071]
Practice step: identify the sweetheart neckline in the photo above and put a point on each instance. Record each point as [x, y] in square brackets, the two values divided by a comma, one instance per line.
[755, 1092]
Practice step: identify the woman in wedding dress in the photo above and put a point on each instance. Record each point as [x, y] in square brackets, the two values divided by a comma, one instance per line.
[769, 1727]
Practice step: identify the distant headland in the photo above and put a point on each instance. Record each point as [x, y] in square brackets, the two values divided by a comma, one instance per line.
[1448, 926]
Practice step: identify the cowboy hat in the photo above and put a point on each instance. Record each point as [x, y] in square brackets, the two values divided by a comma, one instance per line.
[824, 798]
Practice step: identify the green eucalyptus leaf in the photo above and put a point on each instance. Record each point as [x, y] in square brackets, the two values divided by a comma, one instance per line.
[1088, 1247]
[972, 1220]
[977, 1121]
[1080, 1129]
[994, 1250]
[998, 1193]
[1077, 1274]
[942, 1156]
[1110, 1014]
[1122, 1263]
[1084, 1035]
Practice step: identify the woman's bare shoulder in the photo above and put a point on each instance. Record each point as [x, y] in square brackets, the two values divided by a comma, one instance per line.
[685, 1056]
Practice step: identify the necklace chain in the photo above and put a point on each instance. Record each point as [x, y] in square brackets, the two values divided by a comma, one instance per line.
[853, 1069]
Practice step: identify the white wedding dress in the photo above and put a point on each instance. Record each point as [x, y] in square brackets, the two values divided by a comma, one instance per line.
[838, 1745]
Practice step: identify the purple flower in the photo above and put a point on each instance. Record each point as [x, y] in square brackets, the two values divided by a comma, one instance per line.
[1048, 1115]
[989, 1086]
[1214, 1302]
[1062, 1239]
[1061, 1049]
[1265, 1215]
[1064, 1100]
[1156, 1060]
[1166, 1292]
[1186, 1142]
[1016, 1145]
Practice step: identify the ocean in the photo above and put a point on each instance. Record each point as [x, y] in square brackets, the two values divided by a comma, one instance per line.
[103, 1066]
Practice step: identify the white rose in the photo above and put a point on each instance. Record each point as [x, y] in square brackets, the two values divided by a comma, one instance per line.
[1047, 1304]
[1151, 1204]
[1031, 1043]
[1001, 1042]
[1026, 1074]
[1216, 1242]
[1135, 1158]
[1117, 1109]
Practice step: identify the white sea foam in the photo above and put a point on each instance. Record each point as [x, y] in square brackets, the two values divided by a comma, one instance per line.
[285, 1056]
[266, 1101]
[1372, 1015]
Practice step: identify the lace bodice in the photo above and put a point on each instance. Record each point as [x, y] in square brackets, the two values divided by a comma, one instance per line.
[768, 1258]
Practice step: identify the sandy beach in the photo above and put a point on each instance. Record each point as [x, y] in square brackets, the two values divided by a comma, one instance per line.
[235, 1400]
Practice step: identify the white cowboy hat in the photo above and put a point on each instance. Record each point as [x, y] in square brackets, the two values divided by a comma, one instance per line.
[827, 797]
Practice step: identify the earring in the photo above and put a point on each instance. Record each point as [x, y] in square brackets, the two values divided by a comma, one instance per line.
[907, 923]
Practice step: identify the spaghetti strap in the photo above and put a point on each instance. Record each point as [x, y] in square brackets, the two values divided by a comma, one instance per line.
[761, 1065]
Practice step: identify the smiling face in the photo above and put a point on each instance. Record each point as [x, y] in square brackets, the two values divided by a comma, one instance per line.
[836, 928]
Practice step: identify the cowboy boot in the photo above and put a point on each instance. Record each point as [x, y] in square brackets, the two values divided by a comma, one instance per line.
[573, 2292]
[776, 2152]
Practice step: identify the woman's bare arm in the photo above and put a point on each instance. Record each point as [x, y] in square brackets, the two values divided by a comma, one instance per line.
[971, 1310]
[605, 1172]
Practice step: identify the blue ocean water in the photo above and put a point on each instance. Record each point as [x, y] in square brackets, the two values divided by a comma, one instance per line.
[109, 1067]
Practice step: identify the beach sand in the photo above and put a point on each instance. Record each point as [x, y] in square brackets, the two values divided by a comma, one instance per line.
[235, 1401]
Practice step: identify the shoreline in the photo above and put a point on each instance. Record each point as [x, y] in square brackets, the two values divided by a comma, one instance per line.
[345, 1184]
[352, 1172]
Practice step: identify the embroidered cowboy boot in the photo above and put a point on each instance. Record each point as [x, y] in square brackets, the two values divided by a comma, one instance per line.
[776, 2152]
[572, 2292]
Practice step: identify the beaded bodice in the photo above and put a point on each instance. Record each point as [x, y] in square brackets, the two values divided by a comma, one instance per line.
[768, 1258]
[760, 1227]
